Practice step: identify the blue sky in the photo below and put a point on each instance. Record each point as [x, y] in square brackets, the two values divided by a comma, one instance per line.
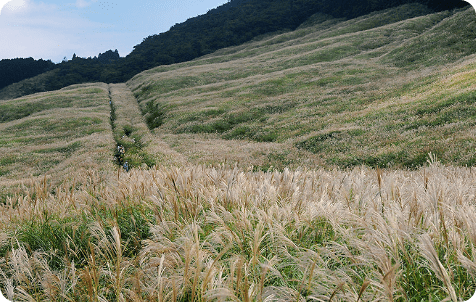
[53, 29]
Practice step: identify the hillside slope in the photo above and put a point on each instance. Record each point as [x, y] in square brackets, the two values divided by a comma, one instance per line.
[363, 91]
[48, 136]
[232, 23]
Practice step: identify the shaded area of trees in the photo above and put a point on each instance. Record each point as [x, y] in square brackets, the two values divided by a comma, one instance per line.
[15, 70]
[233, 23]
[103, 67]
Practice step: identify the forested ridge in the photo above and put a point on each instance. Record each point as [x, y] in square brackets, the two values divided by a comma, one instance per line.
[14, 70]
[233, 23]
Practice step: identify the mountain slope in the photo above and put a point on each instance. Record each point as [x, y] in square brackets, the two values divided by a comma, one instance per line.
[236, 23]
[349, 92]
[231, 24]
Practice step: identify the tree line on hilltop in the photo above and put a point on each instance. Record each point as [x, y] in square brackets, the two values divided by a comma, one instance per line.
[233, 23]
[15, 70]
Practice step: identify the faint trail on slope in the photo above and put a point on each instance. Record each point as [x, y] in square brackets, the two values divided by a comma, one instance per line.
[128, 116]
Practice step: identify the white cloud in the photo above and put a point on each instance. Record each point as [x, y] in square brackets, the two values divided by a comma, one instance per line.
[13, 6]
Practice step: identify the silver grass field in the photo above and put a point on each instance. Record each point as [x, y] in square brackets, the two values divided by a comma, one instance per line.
[221, 234]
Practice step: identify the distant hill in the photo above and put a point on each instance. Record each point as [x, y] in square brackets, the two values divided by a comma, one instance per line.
[233, 23]
[15, 70]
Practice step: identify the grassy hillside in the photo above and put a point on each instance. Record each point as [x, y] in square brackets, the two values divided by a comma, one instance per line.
[372, 90]
[236, 191]
[130, 132]
[51, 135]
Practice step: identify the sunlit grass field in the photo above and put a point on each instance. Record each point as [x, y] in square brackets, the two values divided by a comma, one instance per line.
[330, 163]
